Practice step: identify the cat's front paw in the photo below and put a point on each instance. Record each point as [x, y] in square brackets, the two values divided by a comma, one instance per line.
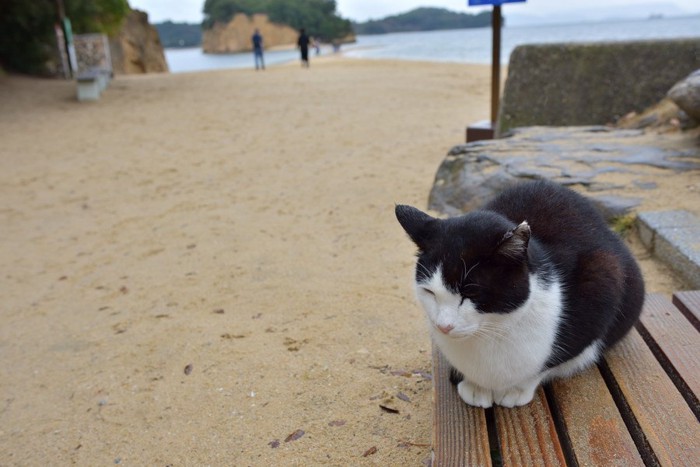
[475, 395]
[515, 396]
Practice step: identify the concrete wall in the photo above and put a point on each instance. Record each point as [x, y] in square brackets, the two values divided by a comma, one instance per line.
[587, 84]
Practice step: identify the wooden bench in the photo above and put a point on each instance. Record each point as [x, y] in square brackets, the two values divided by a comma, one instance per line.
[639, 406]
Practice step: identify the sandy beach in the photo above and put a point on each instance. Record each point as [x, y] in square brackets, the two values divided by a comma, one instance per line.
[205, 268]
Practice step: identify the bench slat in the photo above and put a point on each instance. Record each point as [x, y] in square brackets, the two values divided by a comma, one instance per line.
[527, 434]
[669, 425]
[597, 433]
[689, 304]
[672, 333]
[460, 435]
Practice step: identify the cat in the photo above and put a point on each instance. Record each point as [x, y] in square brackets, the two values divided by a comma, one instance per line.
[531, 287]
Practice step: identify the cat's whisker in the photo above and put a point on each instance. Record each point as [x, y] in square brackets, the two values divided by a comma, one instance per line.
[468, 272]
[491, 330]
[424, 269]
[493, 335]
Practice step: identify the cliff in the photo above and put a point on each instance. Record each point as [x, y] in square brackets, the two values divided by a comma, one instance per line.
[235, 35]
[137, 48]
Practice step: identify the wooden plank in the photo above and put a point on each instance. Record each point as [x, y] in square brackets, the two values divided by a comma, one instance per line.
[676, 339]
[669, 426]
[460, 435]
[527, 434]
[596, 431]
[689, 304]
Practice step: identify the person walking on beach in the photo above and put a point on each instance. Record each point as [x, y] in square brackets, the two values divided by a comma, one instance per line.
[258, 50]
[303, 44]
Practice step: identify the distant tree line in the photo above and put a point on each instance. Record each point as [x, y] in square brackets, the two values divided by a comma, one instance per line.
[27, 28]
[179, 34]
[424, 19]
[318, 17]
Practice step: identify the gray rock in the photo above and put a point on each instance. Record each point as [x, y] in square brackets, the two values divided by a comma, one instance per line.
[686, 95]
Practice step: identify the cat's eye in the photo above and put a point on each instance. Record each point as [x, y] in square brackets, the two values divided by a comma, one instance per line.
[428, 291]
[471, 290]
[469, 294]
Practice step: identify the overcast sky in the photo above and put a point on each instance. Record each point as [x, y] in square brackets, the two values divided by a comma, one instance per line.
[362, 10]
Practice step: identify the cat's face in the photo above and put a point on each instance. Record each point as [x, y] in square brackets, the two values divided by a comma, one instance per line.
[471, 270]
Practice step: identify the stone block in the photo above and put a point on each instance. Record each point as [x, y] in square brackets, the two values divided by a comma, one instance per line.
[589, 84]
[673, 237]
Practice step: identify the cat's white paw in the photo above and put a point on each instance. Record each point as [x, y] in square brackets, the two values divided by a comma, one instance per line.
[515, 396]
[475, 395]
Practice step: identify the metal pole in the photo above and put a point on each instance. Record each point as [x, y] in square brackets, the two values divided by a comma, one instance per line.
[495, 62]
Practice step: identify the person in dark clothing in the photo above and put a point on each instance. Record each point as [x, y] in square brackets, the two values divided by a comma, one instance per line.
[303, 44]
[258, 50]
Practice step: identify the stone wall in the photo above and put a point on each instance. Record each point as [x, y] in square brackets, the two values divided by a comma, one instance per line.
[587, 84]
[92, 52]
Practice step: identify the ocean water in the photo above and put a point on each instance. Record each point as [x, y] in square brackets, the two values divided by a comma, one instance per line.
[459, 45]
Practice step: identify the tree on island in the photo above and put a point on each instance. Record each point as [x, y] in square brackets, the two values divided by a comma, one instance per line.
[424, 19]
[318, 17]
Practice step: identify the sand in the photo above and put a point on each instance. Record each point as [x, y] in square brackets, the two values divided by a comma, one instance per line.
[198, 266]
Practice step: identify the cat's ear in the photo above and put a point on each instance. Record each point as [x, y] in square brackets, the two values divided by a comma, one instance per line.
[514, 243]
[417, 224]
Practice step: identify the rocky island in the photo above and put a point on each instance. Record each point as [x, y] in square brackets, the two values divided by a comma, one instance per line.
[229, 24]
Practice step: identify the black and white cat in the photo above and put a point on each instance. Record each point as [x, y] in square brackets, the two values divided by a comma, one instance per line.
[532, 286]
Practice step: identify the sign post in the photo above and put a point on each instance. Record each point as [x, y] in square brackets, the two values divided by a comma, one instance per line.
[486, 129]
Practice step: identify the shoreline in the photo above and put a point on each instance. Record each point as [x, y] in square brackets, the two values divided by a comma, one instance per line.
[247, 58]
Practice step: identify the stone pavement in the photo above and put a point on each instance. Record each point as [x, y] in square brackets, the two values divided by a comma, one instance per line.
[606, 164]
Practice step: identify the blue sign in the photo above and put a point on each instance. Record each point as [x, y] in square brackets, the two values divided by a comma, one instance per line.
[492, 2]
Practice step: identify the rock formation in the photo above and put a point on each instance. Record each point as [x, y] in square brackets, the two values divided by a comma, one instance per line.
[235, 35]
[137, 48]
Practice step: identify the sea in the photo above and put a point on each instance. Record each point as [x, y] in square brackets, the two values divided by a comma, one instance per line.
[457, 46]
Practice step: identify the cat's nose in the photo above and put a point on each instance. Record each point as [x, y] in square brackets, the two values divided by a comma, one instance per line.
[445, 329]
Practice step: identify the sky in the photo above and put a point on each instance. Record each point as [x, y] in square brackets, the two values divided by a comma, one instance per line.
[361, 10]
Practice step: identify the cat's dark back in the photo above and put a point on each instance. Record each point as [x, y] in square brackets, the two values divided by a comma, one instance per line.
[602, 284]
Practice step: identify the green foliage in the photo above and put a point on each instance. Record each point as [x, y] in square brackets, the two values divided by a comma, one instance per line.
[96, 15]
[223, 10]
[623, 225]
[424, 19]
[28, 28]
[318, 17]
[179, 34]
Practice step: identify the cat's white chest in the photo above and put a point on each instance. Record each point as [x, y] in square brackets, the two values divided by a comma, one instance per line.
[497, 351]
